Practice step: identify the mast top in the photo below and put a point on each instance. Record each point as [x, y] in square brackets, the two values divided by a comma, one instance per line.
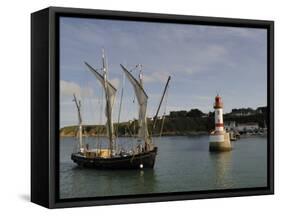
[103, 62]
[78, 106]
[134, 80]
[140, 74]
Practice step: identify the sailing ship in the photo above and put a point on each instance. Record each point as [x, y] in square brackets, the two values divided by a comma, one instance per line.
[144, 153]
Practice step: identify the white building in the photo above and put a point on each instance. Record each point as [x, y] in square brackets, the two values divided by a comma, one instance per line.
[230, 125]
[247, 127]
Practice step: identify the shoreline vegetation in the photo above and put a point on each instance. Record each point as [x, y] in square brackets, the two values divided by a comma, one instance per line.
[177, 123]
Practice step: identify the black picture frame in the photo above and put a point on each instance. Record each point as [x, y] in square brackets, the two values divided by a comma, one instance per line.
[45, 106]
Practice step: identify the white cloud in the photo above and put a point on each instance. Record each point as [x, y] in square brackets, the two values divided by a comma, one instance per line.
[68, 88]
[156, 77]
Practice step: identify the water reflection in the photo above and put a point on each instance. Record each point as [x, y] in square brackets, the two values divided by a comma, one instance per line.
[108, 182]
[222, 168]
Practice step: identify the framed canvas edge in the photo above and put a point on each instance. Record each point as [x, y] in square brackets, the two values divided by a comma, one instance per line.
[55, 11]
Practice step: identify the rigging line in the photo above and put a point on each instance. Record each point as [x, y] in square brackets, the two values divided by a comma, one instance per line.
[120, 105]
[134, 68]
[99, 127]
[112, 146]
[129, 130]
[92, 107]
[87, 104]
[134, 128]
[82, 110]
[76, 145]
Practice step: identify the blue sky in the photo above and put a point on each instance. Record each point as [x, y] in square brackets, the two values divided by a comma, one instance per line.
[202, 61]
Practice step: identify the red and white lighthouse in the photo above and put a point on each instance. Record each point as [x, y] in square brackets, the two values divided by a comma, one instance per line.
[219, 138]
[218, 106]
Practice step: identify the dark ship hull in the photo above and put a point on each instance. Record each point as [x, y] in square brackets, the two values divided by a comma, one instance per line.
[137, 161]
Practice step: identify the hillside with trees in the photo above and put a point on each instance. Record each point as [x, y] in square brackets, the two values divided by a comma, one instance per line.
[177, 123]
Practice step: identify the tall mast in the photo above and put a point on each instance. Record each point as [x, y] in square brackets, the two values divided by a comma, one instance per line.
[108, 105]
[80, 131]
[142, 118]
[110, 93]
[161, 100]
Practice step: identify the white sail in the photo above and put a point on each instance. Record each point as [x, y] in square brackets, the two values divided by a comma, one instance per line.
[142, 101]
[110, 93]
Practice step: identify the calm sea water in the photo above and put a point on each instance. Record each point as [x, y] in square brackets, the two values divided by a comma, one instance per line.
[182, 164]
